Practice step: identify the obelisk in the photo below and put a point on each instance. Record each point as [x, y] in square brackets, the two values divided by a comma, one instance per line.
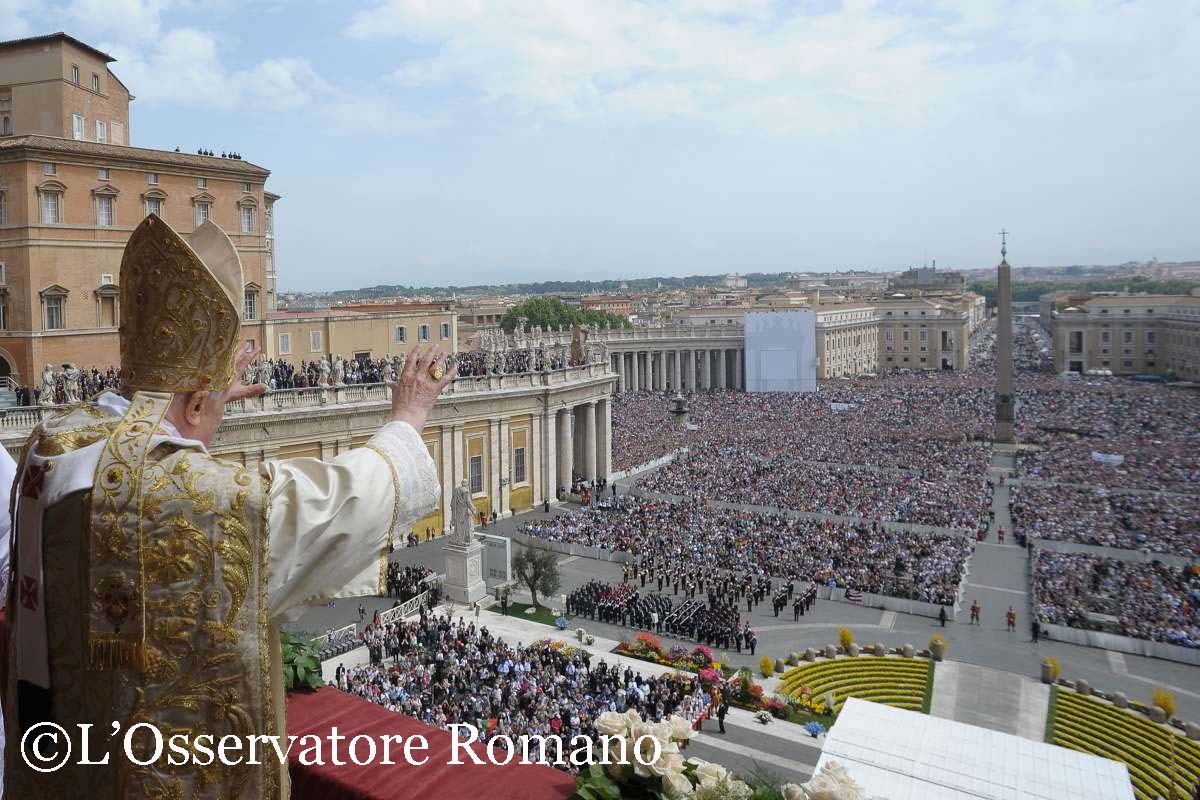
[1004, 355]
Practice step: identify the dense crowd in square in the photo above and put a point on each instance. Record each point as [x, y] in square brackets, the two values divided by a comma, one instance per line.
[1155, 522]
[444, 671]
[695, 538]
[1150, 600]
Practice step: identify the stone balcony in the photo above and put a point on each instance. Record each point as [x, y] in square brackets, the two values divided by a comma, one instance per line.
[17, 422]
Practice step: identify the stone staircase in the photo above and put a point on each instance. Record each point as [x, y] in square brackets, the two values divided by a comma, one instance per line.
[8, 398]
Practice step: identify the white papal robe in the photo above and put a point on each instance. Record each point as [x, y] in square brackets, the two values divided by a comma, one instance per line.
[325, 531]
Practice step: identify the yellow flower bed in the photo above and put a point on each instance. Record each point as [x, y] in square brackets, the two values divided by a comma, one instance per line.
[897, 682]
[1155, 755]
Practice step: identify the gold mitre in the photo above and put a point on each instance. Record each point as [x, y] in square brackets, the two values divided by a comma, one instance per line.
[180, 326]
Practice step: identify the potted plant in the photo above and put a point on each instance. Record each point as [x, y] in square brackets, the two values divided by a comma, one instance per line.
[937, 647]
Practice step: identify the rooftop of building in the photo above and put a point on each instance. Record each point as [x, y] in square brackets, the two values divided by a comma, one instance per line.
[39, 145]
[58, 36]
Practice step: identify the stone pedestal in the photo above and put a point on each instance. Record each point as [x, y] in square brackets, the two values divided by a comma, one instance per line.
[464, 573]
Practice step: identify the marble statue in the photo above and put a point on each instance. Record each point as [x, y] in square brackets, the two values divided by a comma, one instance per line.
[47, 397]
[264, 373]
[70, 378]
[339, 371]
[323, 369]
[250, 375]
[462, 515]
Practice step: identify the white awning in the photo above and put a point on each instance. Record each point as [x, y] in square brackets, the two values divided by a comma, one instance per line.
[904, 755]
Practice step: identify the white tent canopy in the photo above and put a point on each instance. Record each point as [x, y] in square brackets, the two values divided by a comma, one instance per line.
[903, 755]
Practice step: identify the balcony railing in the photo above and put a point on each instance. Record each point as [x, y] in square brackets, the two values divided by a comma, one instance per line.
[25, 418]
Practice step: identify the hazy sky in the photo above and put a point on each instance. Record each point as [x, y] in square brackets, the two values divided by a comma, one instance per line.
[470, 141]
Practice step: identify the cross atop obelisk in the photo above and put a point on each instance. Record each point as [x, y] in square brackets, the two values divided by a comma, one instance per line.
[1004, 356]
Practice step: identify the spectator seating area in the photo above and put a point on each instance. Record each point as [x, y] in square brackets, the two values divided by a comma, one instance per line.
[1157, 757]
[893, 681]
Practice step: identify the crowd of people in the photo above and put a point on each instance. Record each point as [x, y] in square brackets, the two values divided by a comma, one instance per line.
[1145, 600]
[693, 539]
[1152, 522]
[733, 475]
[406, 582]
[444, 671]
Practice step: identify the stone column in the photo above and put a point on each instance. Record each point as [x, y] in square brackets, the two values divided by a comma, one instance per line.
[502, 456]
[589, 441]
[737, 371]
[1004, 355]
[604, 439]
[662, 371]
[550, 454]
[706, 366]
[446, 450]
[620, 373]
[678, 379]
[536, 485]
[633, 372]
[566, 449]
[721, 368]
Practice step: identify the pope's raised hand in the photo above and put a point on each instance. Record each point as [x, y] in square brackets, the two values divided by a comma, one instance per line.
[238, 390]
[418, 385]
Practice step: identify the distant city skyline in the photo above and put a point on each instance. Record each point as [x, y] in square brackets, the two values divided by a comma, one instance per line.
[525, 140]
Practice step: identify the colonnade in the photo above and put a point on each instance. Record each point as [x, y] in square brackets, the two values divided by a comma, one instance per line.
[688, 369]
[576, 445]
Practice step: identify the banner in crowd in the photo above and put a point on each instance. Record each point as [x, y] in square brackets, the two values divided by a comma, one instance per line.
[840, 406]
[1112, 459]
[854, 595]
[691, 426]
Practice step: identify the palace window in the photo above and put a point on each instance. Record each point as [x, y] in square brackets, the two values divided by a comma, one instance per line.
[95, 83]
[201, 183]
[518, 465]
[285, 344]
[75, 73]
[314, 341]
[401, 334]
[445, 330]
[203, 213]
[104, 174]
[6, 126]
[104, 210]
[101, 131]
[423, 333]
[248, 219]
[49, 169]
[152, 178]
[54, 308]
[77, 127]
[3, 209]
[476, 474]
[154, 205]
[51, 204]
[245, 186]
[251, 304]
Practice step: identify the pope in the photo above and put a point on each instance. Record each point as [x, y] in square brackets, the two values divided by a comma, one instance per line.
[150, 577]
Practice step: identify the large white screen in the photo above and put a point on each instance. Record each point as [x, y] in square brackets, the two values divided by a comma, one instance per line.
[781, 351]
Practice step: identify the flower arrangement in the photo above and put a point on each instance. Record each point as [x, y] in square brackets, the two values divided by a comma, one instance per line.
[562, 623]
[645, 764]
[702, 656]
[709, 677]
[845, 638]
[814, 729]
[762, 716]
[1164, 700]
